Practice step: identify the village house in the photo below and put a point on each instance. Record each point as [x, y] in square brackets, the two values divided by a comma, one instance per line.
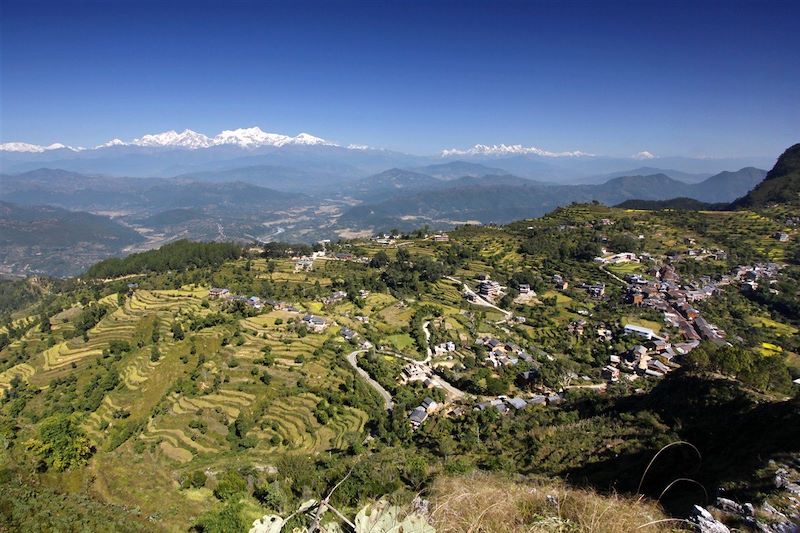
[597, 290]
[635, 297]
[304, 264]
[429, 405]
[709, 331]
[316, 324]
[414, 372]
[645, 333]
[348, 334]
[610, 373]
[217, 292]
[489, 288]
[336, 297]
[441, 237]
[560, 283]
[417, 416]
[444, 348]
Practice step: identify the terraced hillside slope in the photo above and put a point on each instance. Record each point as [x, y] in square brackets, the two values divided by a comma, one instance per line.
[227, 385]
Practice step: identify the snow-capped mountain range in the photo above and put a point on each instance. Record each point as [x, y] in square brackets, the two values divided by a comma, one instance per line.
[510, 149]
[187, 139]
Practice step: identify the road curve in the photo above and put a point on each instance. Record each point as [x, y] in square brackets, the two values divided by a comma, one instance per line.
[352, 358]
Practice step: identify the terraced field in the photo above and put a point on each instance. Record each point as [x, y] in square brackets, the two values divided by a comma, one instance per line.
[138, 371]
[22, 371]
[104, 413]
[293, 420]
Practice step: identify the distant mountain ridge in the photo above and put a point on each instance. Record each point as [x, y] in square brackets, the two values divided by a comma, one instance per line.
[505, 198]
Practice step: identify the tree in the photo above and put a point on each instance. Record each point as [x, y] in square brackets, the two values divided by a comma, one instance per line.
[61, 442]
[379, 260]
[177, 331]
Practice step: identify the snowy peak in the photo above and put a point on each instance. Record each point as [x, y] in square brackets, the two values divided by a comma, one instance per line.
[306, 138]
[255, 136]
[510, 149]
[250, 138]
[112, 142]
[185, 139]
[33, 148]
[642, 156]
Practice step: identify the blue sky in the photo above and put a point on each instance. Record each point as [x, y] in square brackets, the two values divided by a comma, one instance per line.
[695, 79]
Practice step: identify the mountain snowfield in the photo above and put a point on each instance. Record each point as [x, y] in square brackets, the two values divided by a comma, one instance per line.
[187, 139]
[510, 149]
[34, 148]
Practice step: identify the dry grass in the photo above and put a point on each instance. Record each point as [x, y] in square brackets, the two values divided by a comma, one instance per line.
[486, 503]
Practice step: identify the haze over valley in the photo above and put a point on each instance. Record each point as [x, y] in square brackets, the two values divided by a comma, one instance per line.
[251, 186]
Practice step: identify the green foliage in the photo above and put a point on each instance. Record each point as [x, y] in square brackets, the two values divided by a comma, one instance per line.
[766, 373]
[61, 443]
[179, 255]
[28, 505]
[231, 486]
[224, 520]
[88, 318]
[197, 479]
[272, 496]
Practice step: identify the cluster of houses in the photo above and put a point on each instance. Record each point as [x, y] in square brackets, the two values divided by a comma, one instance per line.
[385, 239]
[652, 358]
[504, 404]
[749, 276]
[219, 293]
[501, 353]
[675, 300]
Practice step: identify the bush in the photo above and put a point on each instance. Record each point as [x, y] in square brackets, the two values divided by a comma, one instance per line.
[225, 520]
[271, 496]
[197, 479]
[231, 486]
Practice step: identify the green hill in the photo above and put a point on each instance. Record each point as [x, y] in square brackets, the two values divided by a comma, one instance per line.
[136, 394]
[781, 185]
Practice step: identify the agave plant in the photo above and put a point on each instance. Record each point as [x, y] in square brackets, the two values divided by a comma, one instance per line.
[381, 517]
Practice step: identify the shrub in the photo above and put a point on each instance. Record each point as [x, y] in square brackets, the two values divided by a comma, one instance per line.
[231, 486]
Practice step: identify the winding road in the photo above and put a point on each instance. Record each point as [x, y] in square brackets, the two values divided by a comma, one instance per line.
[352, 358]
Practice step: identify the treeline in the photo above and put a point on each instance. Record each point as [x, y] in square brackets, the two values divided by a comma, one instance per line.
[765, 373]
[276, 250]
[179, 255]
